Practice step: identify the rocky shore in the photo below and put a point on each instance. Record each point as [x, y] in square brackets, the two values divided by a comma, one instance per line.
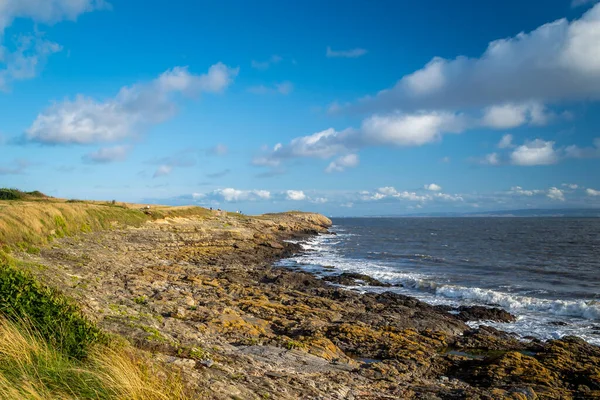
[201, 294]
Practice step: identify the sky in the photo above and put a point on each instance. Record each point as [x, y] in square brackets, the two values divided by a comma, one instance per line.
[348, 108]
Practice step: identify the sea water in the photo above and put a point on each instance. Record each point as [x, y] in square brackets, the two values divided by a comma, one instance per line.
[546, 271]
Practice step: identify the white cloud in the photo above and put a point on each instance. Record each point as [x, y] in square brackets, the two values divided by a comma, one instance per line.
[489, 159]
[263, 65]
[391, 192]
[46, 11]
[592, 192]
[536, 152]
[32, 51]
[233, 195]
[296, 195]
[343, 162]
[571, 186]
[410, 129]
[107, 155]
[27, 60]
[433, 187]
[557, 61]
[504, 116]
[448, 197]
[506, 141]
[85, 120]
[378, 130]
[352, 53]
[556, 194]
[518, 190]
[511, 115]
[163, 170]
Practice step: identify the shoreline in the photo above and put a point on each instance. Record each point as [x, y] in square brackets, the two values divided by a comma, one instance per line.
[201, 295]
[562, 316]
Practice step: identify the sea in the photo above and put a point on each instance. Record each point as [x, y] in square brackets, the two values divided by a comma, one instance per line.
[545, 271]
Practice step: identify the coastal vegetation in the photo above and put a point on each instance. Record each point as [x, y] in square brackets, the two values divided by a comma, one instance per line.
[106, 300]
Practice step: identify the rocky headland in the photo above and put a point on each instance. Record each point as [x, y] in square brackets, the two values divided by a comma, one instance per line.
[199, 292]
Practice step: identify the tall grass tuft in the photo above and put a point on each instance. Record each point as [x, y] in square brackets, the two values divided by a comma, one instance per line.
[55, 318]
[32, 369]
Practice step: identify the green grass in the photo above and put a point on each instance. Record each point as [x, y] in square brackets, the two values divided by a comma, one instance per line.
[57, 319]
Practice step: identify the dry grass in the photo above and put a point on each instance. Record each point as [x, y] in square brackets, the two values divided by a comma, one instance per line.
[29, 224]
[31, 369]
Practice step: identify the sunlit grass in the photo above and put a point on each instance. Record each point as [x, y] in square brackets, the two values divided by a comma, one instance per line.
[30, 368]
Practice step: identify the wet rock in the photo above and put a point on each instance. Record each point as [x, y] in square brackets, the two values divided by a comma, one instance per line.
[480, 313]
[354, 279]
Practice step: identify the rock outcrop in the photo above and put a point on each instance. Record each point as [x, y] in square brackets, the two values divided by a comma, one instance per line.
[202, 295]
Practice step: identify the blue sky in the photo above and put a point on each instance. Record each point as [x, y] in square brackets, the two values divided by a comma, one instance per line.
[341, 107]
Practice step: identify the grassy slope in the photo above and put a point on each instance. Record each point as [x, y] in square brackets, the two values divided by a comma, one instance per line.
[48, 349]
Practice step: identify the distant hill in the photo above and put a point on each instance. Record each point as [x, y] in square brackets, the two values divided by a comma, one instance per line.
[566, 212]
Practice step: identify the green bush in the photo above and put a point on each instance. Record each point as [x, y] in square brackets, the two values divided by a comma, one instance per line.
[16, 194]
[11, 194]
[58, 320]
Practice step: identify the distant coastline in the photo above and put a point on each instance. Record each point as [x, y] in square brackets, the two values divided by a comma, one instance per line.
[522, 213]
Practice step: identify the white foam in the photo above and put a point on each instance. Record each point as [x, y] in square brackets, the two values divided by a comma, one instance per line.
[536, 316]
[573, 308]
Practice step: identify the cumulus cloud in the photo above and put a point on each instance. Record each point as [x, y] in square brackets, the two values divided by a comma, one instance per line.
[107, 155]
[433, 187]
[518, 190]
[509, 115]
[343, 162]
[556, 194]
[351, 53]
[263, 65]
[571, 186]
[410, 129]
[592, 192]
[536, 152]
[295, 195]
[557, 61]
[85, 120]
[235, 195]
[402, 130]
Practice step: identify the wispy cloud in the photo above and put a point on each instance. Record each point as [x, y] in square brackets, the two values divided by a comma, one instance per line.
[32, 50]
[351, 53]
[219, 174]
[16, 167]
[107, 155]
[263, 65]
[284, 88]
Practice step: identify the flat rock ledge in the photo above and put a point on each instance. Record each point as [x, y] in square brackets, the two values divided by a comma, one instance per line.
[201, 294]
